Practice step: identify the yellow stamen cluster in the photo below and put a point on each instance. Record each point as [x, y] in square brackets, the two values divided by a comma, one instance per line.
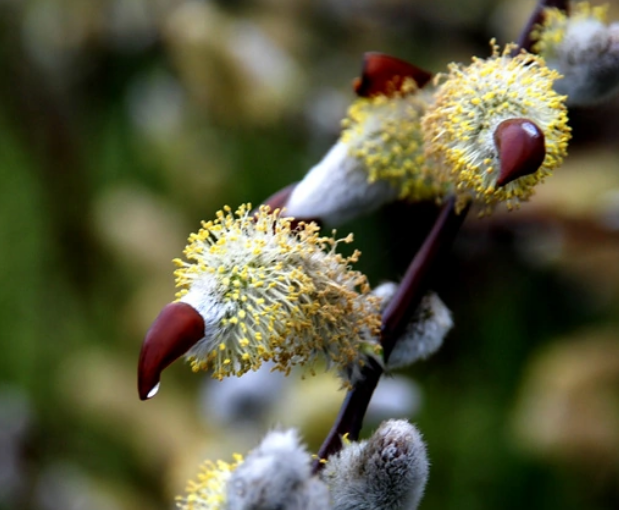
[276, 293]
[208, 492]
[470, 102]
[384, 133]
[551, 32]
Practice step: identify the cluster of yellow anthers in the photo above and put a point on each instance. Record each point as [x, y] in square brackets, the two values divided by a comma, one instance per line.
[470, 102]
[384, 132]
[209, 490]
[551, 32]
[282, 294]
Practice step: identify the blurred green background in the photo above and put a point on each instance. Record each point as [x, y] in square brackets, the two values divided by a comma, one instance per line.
[125, 122]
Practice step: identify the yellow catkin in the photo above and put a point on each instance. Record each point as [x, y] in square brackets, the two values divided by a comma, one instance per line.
[470, 102]
[284, 295]
[208, 490]
[384, 133]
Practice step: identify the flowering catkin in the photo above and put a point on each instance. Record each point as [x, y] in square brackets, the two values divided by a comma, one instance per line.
[267, 291]
[378, 158]
[470, 104]
[208, 491]
[383, 132]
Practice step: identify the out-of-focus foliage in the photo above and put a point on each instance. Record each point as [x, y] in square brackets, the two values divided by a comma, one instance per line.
[125, 122]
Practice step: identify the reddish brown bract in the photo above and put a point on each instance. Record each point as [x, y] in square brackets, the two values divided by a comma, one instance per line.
[383, 74]
[176, 330]
[521, 147]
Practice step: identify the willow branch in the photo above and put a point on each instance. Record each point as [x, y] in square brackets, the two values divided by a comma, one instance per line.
[395, 318]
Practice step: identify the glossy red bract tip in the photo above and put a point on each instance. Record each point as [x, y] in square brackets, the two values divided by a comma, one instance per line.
[176, 330]
[521, 147]
[383, 74]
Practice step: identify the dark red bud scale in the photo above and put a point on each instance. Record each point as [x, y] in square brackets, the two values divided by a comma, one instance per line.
[383, 74]
[521, 148]
[176, 330]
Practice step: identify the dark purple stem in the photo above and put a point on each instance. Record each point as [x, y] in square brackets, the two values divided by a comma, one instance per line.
[410, 292]
[525, 42]
[414, 285]
[395, 318]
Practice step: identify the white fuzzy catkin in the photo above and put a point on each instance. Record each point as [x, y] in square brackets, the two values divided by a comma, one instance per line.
[387, 472]
[337, 190]
[425, 332]
[276, 475]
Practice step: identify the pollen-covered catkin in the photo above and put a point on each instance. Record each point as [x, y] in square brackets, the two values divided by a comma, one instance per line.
[378, 159]
[470, 103]
[268, 292]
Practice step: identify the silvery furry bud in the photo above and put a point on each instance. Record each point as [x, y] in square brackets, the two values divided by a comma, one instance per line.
[389, 471]
[424, 334]
[337, 190]
[276, 475]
